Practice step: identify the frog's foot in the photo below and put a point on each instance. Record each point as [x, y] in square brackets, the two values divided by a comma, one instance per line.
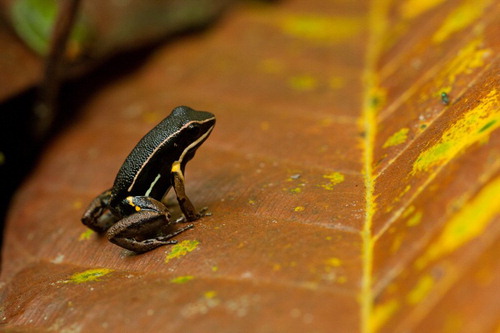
[202, 213]
[142, 246]
[97, 216]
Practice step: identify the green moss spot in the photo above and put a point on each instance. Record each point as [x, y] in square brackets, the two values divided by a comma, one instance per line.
[377, 100]
[86, 234]
[488, 125]
[88, 275]
[181, 249]
[374, 101]
[397, 138]
[182, 279]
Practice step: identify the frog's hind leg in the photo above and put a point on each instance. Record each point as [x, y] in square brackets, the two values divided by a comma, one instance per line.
[142, 231]
[97, 216]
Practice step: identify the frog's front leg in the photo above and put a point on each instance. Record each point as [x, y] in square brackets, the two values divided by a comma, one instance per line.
[145, 229]
[97, 216]
[187, 208]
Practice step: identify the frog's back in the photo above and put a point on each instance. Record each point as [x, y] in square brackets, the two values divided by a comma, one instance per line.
[146, 170]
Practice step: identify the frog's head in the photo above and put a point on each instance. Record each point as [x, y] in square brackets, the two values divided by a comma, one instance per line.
[197, 126]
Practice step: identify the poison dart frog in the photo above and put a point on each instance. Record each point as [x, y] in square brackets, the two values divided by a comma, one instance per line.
[133, 213]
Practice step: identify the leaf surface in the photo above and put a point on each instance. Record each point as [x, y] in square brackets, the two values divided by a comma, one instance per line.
[345, 194]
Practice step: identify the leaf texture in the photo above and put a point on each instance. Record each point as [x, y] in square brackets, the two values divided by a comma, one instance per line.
[353, 177]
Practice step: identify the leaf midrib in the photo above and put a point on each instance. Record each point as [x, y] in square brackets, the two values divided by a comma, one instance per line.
[376, 26]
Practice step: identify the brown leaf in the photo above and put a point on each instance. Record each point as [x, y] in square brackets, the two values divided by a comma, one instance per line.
[346, 195]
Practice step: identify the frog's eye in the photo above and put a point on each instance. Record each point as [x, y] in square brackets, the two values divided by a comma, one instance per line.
[194, 130]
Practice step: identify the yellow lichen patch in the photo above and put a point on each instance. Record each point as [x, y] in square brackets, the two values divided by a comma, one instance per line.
[400, 195]
[408, 211]
[294, 190]
[474, 126]
[461, 17]
[334, 178]
[389, 208]
[471, 56]
[215, 268]
[397, 138]
[410, 9]
[88, 275]
[210, 294]
[467, 224]
[396, 243]
[320, 28]
[414, 219]
[86, 234]
[421, 290]
[299, 209]
[381, 313]
[333, 262]
[181, 249]
[182, 279]
[303, 82]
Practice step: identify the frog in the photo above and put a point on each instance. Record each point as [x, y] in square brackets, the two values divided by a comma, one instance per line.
[133, 213]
